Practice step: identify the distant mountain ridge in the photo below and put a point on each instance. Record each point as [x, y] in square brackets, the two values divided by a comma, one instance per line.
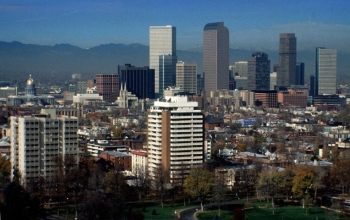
[61, 60]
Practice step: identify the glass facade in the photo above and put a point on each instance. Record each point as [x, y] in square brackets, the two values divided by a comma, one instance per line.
[326, 71]
[162, 40]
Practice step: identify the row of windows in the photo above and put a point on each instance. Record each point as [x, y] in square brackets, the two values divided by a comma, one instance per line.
[32, 123]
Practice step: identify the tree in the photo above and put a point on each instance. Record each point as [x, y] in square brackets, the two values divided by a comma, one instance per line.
[235, 127]
[161, 178]
[5, 170]
[118, 133]
[199, 184]
[95, 206]
[18, 203]
[269, 183]
[141, 180]
[219, 145]
[219, 189]
[302, 183]
[289, 173]
[339, 175]
[114, 184]
[240, 146]
[319, 178]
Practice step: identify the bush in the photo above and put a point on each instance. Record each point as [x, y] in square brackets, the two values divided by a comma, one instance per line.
[154, 212]
[280, 202]
[239, 215]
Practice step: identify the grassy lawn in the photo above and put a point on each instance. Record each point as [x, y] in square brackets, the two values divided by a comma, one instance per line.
[263, 210]
[167, 212]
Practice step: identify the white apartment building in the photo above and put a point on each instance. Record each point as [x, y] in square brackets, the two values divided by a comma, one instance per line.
[37, 139]
[175, 137]
[139, 161]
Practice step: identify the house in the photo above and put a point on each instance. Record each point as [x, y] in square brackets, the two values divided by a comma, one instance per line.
[210, 122]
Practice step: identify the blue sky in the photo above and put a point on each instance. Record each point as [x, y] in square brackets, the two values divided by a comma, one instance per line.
[252, 23]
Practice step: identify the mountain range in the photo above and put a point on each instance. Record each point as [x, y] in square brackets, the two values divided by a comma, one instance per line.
[50, 63]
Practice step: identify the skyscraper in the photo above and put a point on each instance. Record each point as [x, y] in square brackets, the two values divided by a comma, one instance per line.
[287, 60]
[215, 56]
[259, 72]
[242, 68]
[138, 80]
[200, 84]
[107, 85]
[312, 90]
[326, 71]
[162, 40]
[167, 72]
[299, 74]
[186, 77]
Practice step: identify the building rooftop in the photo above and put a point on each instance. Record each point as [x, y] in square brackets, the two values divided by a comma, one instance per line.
[116, 153]
[213, 26]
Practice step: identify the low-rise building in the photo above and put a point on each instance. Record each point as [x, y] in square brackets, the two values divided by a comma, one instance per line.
[119, 160]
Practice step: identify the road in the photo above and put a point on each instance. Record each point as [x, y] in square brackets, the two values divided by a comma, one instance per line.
[189, 214]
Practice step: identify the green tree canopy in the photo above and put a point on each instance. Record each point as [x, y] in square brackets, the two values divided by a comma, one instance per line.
[302, 182]
[199, 183]
[118, 133]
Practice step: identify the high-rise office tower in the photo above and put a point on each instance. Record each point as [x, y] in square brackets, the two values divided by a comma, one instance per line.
[242, 68]
[167, 72]
[162, 40]
[107, 85]
[175, 137]
[273, 80]
[37, 139]
[186, 77]
[215, 56]
[326, 71]
[138, 80]
[300, 74]
[200, 84]
[312, 89]
[287, 60]
[259, 72]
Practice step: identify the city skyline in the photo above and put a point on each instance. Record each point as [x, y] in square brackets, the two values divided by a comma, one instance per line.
[87, 24]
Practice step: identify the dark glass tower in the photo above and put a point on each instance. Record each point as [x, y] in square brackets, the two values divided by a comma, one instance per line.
[300, 74]
[287, 60]
[259, 72]
[139, 80]
[167, 72]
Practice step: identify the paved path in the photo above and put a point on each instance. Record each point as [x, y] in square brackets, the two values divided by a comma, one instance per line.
[190, 213]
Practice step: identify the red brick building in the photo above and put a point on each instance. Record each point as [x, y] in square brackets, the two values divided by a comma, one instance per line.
[211, 122]
[266, 99]
[107, 85]
[119, 160]
[293, 97]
